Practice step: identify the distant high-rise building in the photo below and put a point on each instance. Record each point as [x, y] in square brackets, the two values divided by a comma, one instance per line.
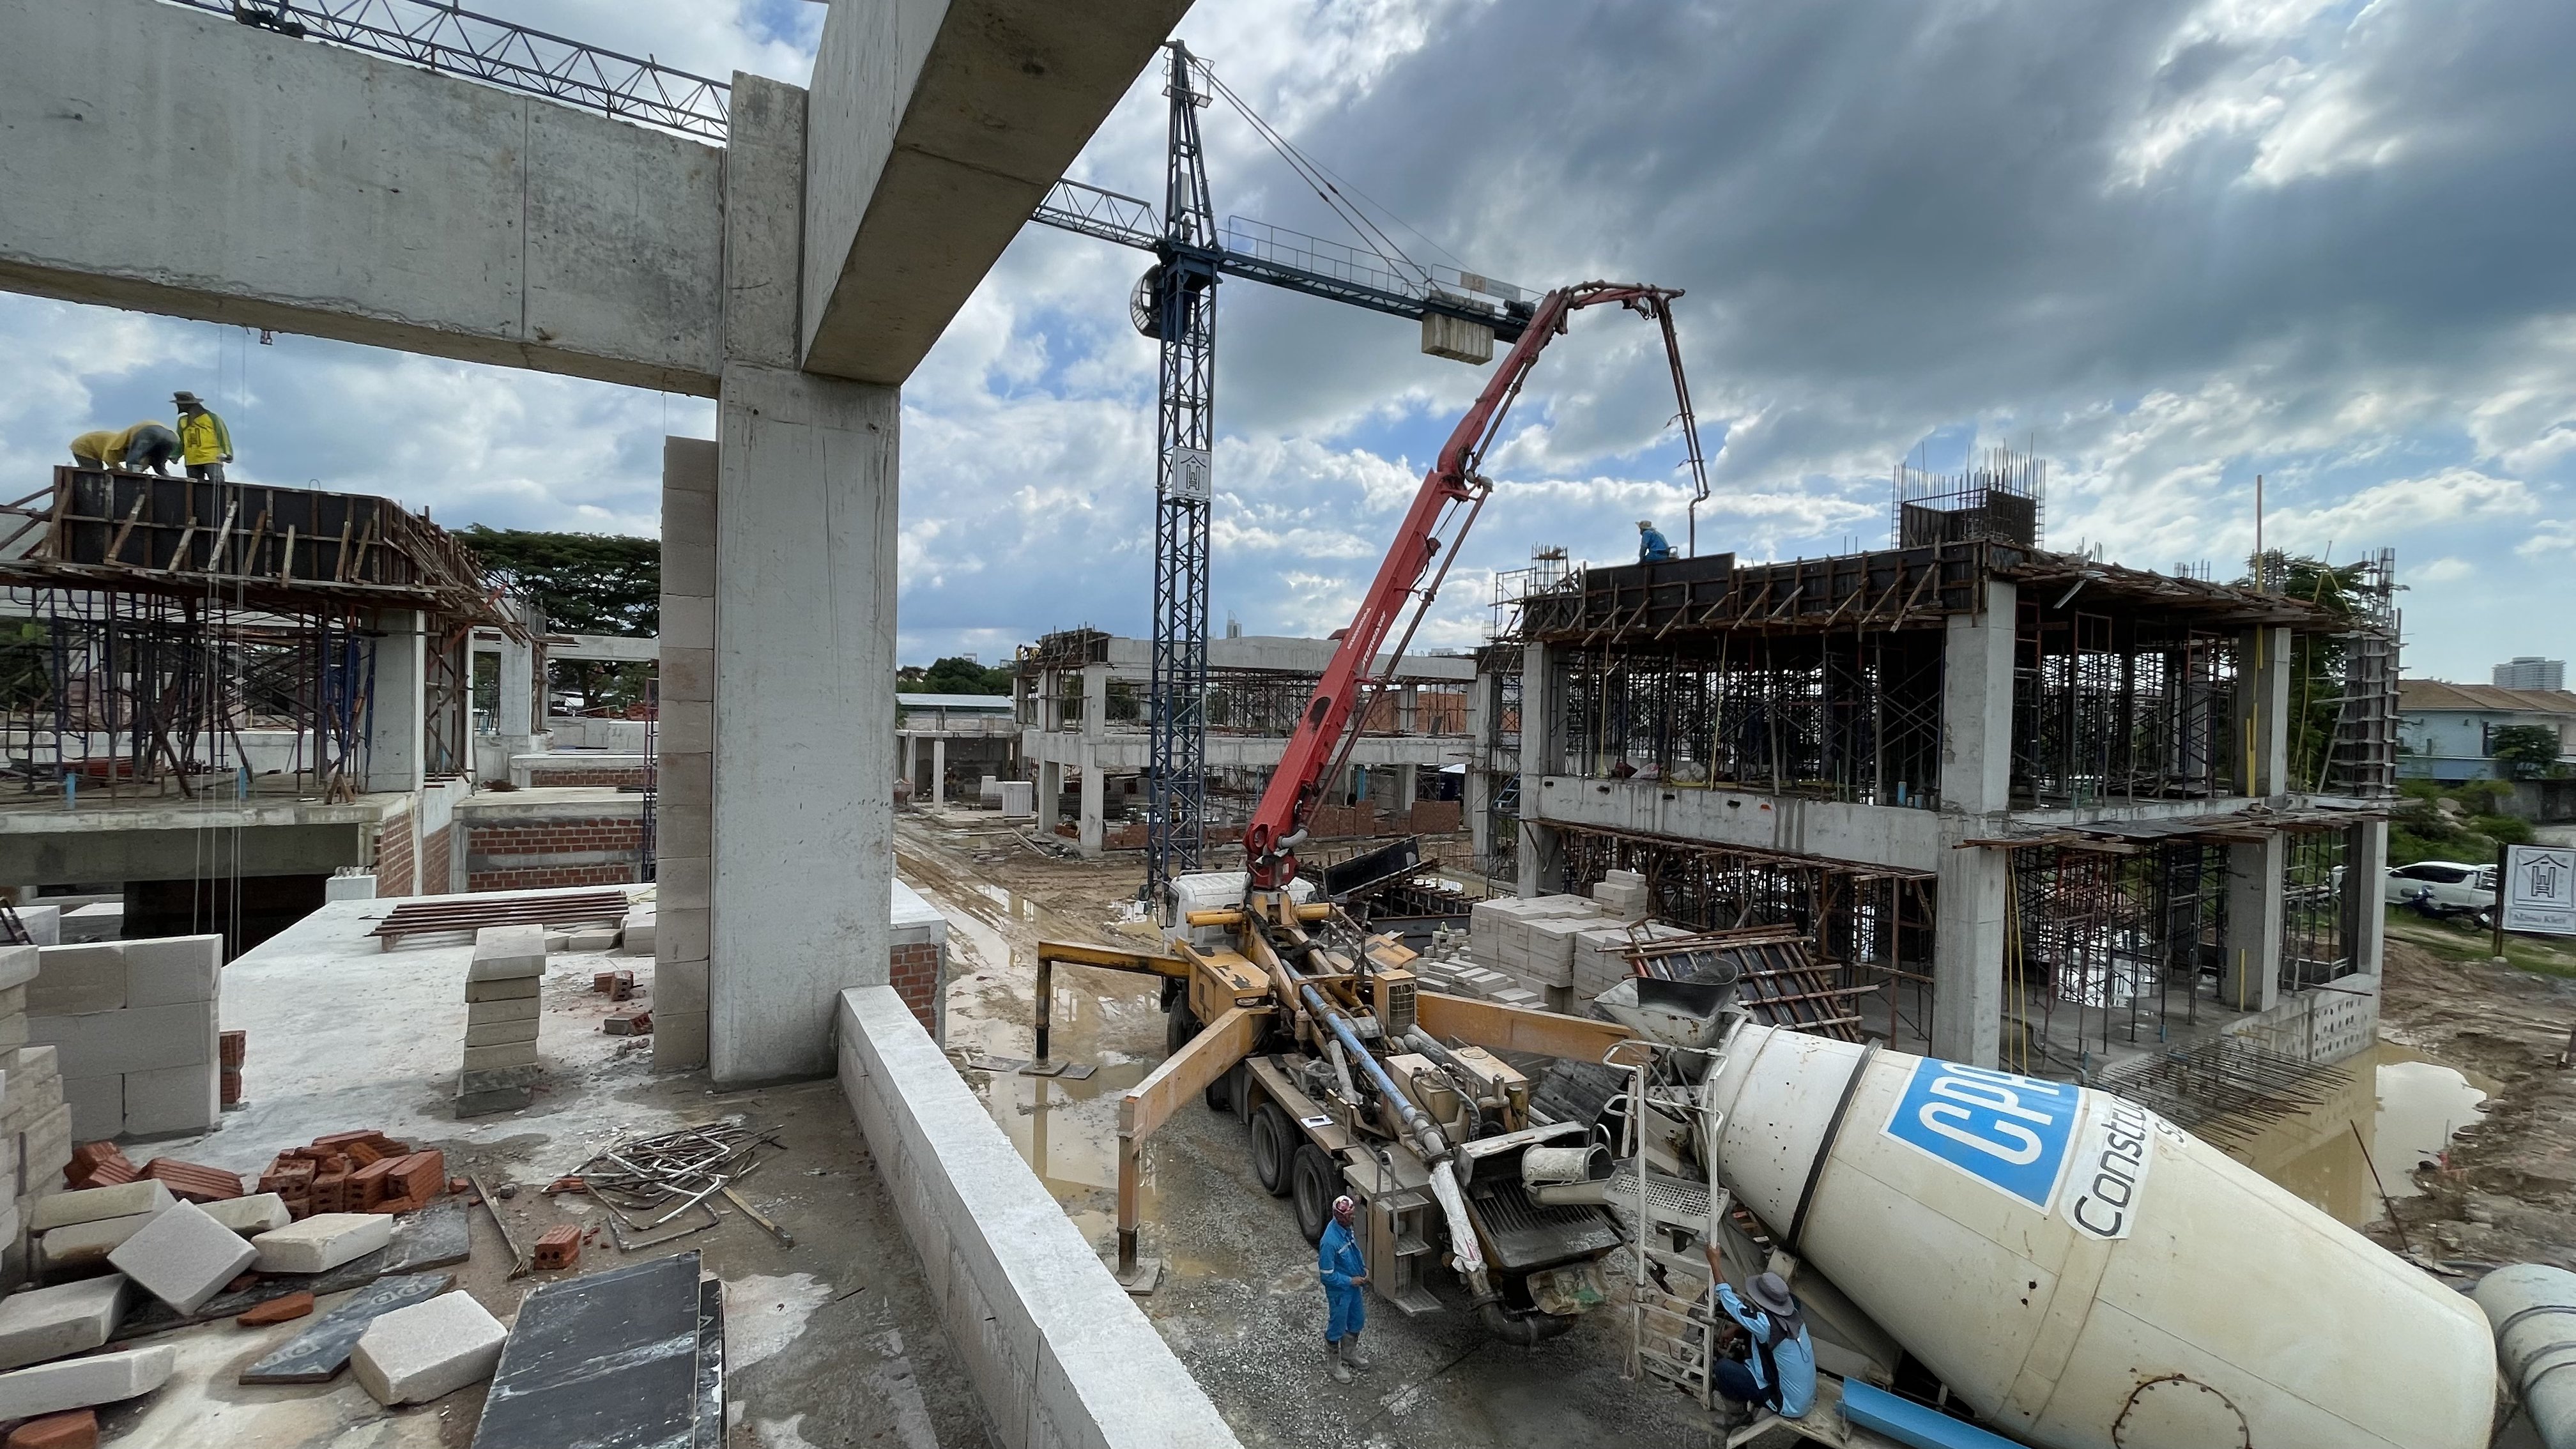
[2530, 671]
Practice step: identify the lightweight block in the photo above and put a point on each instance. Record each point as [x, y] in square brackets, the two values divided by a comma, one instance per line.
[593, 938]
[349, 888]
[62, 1209]
[516, 1008]
[172, 969]
[76, 980]
[19, 965]
[141, 1039]
[249, 1216]
[78, 1383]
[170, 1100]
[500, 1033]
[637, 937]
[416, 1354]
[508, 988]
[183, 1257]
[504, 953]
[67, 1318]
[558, 941]
[82, 1247]
[97, 921]
[321, 1242]
[44, 924]
[494, 1058]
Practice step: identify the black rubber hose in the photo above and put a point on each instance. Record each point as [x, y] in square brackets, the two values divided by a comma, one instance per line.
[1521, 1330]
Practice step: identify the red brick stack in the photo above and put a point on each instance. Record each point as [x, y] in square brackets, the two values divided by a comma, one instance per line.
[194, 1182]
[99, 1164]
[231, 1048]
[345, 1172]
[411, 1182]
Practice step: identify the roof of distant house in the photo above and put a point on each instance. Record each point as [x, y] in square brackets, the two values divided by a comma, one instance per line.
[2436, 694]
[986, 703]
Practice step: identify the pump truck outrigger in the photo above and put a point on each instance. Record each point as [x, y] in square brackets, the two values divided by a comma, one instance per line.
[1283, 1011]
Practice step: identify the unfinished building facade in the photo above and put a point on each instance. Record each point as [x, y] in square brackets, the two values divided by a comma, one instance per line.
[1081, 710]
[2038, 810]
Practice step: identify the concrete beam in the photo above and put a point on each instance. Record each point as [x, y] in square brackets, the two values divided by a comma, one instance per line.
[84, 853]
[933, 129]
[174, 161]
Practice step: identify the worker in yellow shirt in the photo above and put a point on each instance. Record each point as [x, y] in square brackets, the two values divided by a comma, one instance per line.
[145, 445]
[206, 445]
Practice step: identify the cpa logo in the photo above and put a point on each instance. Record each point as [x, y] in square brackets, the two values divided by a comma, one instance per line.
[2009, 1132]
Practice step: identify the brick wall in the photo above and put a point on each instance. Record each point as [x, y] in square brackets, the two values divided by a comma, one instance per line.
[526, 855]
[432, 867]
[913, 971]
[394, 875]
[551, 776]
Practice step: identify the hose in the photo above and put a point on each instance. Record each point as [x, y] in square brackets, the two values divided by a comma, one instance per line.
[1521, 1330]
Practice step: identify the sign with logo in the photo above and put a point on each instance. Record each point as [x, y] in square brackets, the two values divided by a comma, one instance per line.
[2112, 1155]
[1191, 475]
[2540, 889]
[2010, 1132]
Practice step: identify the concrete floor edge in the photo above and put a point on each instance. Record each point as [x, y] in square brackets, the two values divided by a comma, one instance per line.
[1057, 1350]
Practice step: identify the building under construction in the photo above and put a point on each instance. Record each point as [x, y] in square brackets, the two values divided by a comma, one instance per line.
[2030, 807]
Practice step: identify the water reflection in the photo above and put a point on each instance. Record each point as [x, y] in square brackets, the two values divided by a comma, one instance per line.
[2398, 1110]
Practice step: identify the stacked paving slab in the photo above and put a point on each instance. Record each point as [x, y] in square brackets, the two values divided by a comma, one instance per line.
[35, 1125]
[501, 1004]
[1556, 952]
[135, 1026]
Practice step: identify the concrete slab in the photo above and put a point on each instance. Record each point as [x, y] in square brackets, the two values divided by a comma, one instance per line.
[183, 1256]
[67, 1318]
[322, 1242]
[416, 1354]
[90, 1204]
[78, 1383]
[257, 1213]
[83, 1247]
[503, 953]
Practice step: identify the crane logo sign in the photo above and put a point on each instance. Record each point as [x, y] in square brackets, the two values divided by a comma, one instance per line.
[2540, 889]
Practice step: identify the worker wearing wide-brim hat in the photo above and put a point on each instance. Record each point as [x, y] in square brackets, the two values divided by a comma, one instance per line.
[1652, 546]
[1781, 1373]
[205, 444]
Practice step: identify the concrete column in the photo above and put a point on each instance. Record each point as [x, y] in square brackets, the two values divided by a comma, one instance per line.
[938, 770]
[397, 721]
[1542, 855]
[1050, 700]
[1976, 791]
[514, 715]
[1050, 795]
[1408, 783]
[1095, 792]
[2365, 871]
[804, 705]
[2249, 975]
[1478, 805]
[2262, 764]
[912, 761]
[1095, 700]
[684, 808]
[1407, 706]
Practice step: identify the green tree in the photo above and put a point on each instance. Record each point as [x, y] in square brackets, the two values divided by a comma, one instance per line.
[2524, 752]
[955, 675]
[586, 583]
[2316, 660]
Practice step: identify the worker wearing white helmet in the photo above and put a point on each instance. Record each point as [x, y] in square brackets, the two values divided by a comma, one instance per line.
[1652, 546]
[1344, 1272]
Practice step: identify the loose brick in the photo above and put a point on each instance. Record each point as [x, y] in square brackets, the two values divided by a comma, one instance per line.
[557, 1247]
[277, 1310]
[232, 1048]
[420, 1176]
[77, 1429]
[194, 1181]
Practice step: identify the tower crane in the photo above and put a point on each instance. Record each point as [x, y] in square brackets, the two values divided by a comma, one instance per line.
[1462, 314]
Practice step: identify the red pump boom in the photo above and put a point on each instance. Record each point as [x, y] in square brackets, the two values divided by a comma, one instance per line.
[1451, 495]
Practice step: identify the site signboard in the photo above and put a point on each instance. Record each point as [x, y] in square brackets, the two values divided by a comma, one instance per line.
[2539, 892]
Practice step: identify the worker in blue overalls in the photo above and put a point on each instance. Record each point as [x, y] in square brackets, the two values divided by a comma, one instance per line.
[1344, 1273]
[1780, 1375]
[1652, 546]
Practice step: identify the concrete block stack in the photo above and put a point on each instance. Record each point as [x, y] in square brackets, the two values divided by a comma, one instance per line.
[134, 1025]
[76, 1231]
[35, 1126]
[636, 938]
[501, 1005]
[1623, 894]
[1563, 949]
[685, 805]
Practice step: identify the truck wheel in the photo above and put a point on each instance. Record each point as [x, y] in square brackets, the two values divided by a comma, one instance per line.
[1274, 1142]
[1179, 1025]
[1313, 1181]
[1220, 1093]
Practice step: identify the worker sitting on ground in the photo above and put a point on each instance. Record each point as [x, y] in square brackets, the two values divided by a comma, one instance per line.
[145, 445]
[1781, 1374]
[1344, 1273]
[205, 444]
[1652, 546]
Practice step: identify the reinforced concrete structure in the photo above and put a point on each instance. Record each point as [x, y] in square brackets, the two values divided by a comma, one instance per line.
[1083, 731]
[2038, 809]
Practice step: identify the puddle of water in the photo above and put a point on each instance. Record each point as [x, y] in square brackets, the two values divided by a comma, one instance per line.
[2406, 1106]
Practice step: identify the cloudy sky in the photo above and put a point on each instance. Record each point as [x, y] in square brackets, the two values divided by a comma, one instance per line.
[2169, 244]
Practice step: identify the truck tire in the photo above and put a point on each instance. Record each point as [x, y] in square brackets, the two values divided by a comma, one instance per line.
[1275, 1141]
[1313, 1184]
[1220, 1093]
[1179, 1025]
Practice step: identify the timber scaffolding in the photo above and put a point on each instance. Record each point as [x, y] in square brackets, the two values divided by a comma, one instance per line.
[157, 621]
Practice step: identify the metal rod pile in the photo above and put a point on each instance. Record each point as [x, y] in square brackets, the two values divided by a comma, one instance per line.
[652, 1180]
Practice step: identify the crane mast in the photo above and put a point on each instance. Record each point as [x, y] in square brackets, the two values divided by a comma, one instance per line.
[1451, 494]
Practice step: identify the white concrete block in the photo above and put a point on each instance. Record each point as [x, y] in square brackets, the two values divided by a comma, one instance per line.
[508, 988]
[72, 980]
[249, 1216]
[500, 1033]
[503, 953]
[139, 1040]
[594, 938]
[97, 1106]
[491, 1058]
[349, 888]
[173, 1099]
[515, 1008]
[322, 1241]
[67, 1318]
[90, 1204]
[415, 1354]
[44, 924]
[184, 1257]
[77, 1383]
[558, 941]
[171, 970]
[19, 965]
[636, 939]
[84, 1246]
[97, 921]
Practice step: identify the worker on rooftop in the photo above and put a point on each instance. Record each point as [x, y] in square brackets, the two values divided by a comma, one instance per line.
[1652, 546]
[144, 445]
[1781, 1373]
[1339, 1264]
[205, 444]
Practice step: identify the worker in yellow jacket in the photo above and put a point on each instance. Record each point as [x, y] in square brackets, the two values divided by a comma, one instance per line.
[145, 445]
[206, 445]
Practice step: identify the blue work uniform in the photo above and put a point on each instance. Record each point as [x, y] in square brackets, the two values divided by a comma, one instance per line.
[1653, 547]
[1337, 1262]
[1795, 1360]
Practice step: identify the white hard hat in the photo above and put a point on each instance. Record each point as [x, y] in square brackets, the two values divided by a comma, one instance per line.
[1343, 1207]
[1645, 523]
